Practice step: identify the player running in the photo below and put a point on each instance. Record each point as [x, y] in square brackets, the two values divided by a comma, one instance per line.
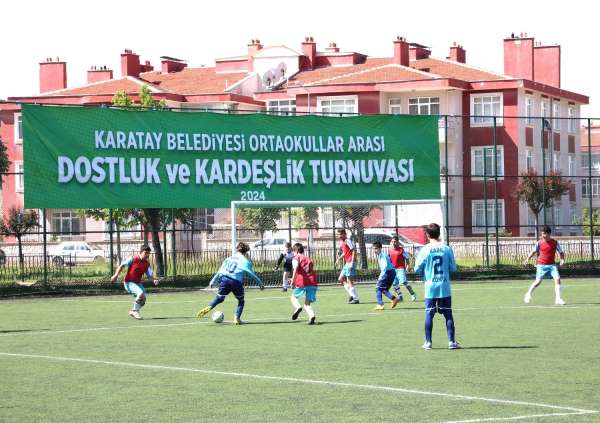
[386, 277]
[230, 278]
[400, 260]
[348, 255]
[304, 282]
[286, 258]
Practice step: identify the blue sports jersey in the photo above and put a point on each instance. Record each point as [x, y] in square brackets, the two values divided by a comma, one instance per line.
[234, 267]
[385, 264]
[435, 262]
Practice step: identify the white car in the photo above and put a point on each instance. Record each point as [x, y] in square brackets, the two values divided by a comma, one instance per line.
[384, 236]
[75, 252]
[271, 244]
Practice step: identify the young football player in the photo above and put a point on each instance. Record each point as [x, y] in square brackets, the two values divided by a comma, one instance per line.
[348, 256]
[400, 260]
[304, 282]
[286, 258]
[386, 277]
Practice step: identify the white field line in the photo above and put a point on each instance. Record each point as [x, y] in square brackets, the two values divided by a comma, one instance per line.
[571, 410]
[284, 318]
[524, 417]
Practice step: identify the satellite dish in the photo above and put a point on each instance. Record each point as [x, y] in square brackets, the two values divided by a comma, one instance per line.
[281, 71]
[268, 78]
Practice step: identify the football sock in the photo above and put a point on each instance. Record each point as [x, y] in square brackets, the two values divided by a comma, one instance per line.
[378, 296]
[136, 306]
[410, 290]
[353, 293]
[309, 311]
[531, 289]
[348, 289]
[397, 291]
[285, 282]
[295, 303]
[557, 291]
[216, 301]
[388, 294]
[240, 308]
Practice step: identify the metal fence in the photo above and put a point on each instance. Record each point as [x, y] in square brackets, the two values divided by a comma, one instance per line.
[485, 161]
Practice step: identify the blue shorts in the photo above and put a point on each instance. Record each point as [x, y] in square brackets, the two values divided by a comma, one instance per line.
[309, 291]
[546, 269]
[438, 305]
[134, 288]
[348, 270]
[227, 285]
[400, 277]
[386, 280]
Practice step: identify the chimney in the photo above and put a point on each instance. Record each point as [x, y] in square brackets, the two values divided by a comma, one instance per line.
[546, 65]
[253, 47]
[99, 73]
[417, 51]
[146, 67]
[401, 56]
[518, 56]
[171, 64]
[309, 49]
[333, 48]
[457, 53]
[130, 64]
[53, 75]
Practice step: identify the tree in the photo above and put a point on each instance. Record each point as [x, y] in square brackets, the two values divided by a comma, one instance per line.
[260, 219]
[4, 160]
[355, 216]
[585, 221]
[153, 219]
[18, 223]
[306, 218]
[122, 219]
[540, 193]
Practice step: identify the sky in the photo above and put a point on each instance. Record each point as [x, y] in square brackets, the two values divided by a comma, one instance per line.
[86, 33]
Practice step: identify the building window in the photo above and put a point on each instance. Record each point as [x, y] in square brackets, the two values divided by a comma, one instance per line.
[544, 112]
[479, 214]
[326, 218]
[66, 222]
[484, 107]
[342, 105]
[556, 215]
[395, 107]
[202, 219]
[481, 166]
[571, 165]
[529, 110]
[585, 158]
[573, 214]
[547, 161]
[127, 230]
[19, 177]
[556, 116]
[18, 128]
[556, 162]
[529, 159]
[424, 106]
[281, 107]
[594, 191]
[572, 119]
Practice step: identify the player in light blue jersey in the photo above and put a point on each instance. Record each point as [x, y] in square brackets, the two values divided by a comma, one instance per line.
[230, 278]
[435, 262]
[387, 275]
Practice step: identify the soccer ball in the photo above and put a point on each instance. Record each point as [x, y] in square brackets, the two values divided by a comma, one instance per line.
[218, 317]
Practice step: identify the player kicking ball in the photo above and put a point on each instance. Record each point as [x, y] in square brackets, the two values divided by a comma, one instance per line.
[546, 249]
[137, 267]
[435, 262]
[304, 282]
[387, 274]
[230, 278]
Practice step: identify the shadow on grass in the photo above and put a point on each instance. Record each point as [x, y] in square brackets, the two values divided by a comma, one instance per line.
[500, 347]
[304, 322]
[170, 318]
[22, 330]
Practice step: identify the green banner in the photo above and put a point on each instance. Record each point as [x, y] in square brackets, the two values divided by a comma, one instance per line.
[78, 157]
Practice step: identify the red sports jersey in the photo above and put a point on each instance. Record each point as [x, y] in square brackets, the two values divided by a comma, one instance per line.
[397, 257]
[305, 275]
[136, 270]
[347, 248]
[546, 251]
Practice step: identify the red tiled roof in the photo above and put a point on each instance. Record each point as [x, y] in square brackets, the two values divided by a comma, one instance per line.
[319, 74]
[450, 69]
[105, 87]
[193, 80]
[386, 73]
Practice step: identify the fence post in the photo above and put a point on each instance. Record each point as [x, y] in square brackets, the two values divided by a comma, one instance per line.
[45, 247]
[173, 244]
[289, 224]
[485, 210]
[543, 174]
[496, 214]
[164, 253]
[590, 190]
[110, 236]
[334, 251]
[447, 200]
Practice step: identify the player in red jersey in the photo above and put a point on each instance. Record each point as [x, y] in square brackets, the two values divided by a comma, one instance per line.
[348, 256]
[137, 266]
[546, 249]
[400, 260]
[304, 282]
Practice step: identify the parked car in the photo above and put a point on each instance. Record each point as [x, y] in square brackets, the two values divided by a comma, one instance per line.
[75, 252]
[2, 257]
[271, 244]
[384, 236]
